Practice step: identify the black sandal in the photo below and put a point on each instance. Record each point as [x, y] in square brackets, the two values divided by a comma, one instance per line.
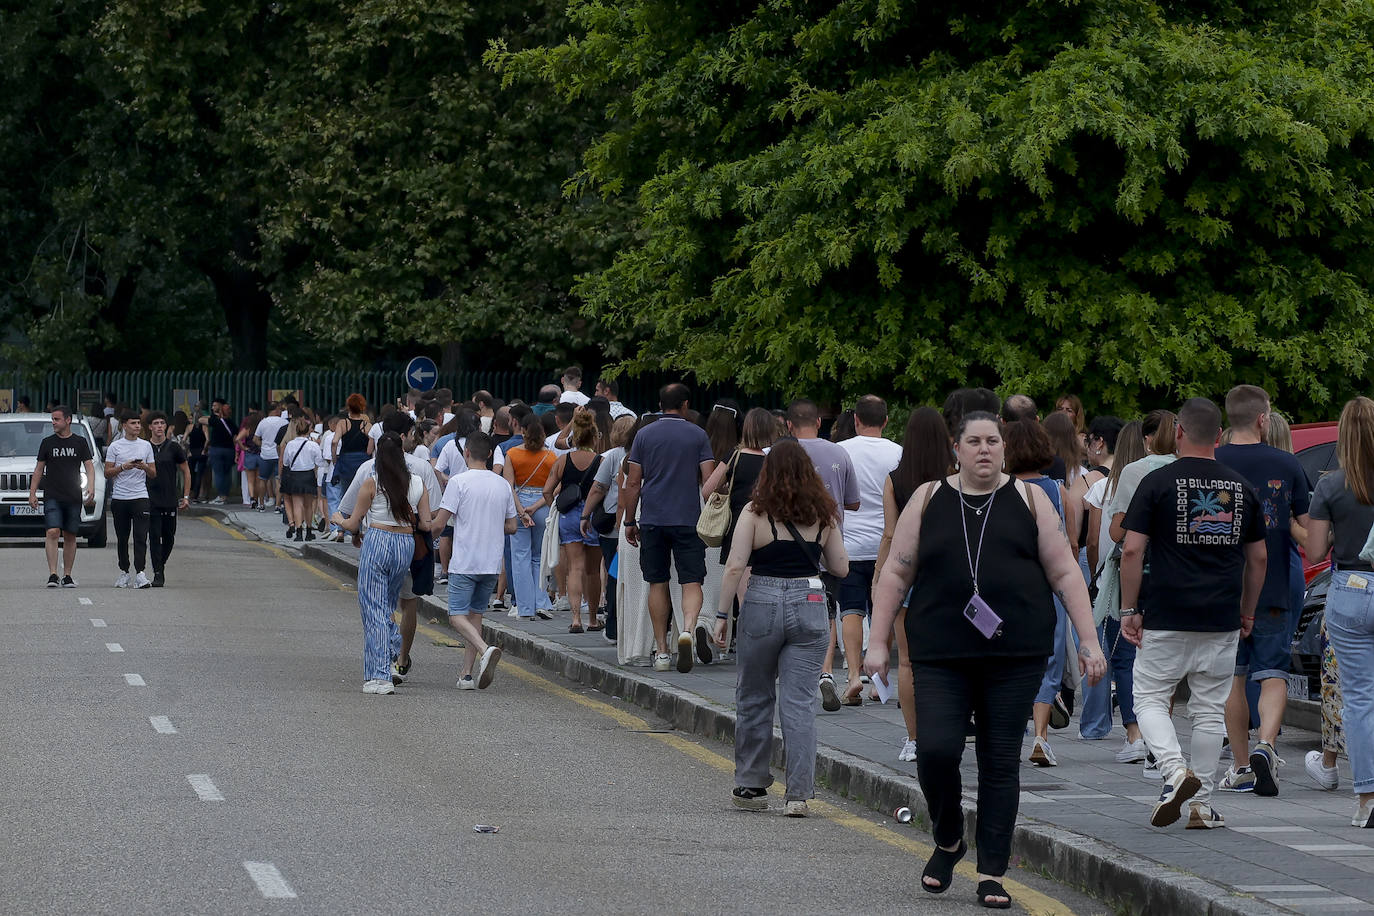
[990, 888]
[941, 868]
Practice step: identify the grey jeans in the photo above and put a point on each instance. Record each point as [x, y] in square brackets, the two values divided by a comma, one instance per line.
[783, 630]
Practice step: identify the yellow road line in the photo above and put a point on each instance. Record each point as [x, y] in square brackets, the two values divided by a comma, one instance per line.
[279, 553]
[1033, 901]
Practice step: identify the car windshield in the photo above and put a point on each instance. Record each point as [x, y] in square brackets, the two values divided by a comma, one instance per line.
[21, 438]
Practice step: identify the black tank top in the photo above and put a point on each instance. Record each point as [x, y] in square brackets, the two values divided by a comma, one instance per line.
[222, 433]
[1010, 579]
[355, 440]
[786, 559]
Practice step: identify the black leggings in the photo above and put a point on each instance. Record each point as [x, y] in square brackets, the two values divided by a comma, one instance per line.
[608, 548]
[131, 514]
[998, 692]
[162, 536]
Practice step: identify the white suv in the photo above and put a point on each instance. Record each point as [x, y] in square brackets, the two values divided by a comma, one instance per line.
[20, 436]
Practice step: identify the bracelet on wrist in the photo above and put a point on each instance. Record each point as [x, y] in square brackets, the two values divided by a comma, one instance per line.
[722, 616]
[1130, 612]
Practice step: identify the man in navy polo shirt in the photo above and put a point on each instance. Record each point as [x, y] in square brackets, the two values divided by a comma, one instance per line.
[667, 464]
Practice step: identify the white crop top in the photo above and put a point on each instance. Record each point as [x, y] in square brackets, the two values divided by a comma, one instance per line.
[379, 513]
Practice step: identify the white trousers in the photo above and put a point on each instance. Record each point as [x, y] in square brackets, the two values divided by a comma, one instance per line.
[1207, 661]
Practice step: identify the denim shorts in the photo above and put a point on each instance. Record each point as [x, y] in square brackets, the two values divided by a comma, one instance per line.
[469, 594]
[63, 516]
[1268, 651]
[855, 590]
[570, 529]
[658, 544]
[267, 468]
[250, 461]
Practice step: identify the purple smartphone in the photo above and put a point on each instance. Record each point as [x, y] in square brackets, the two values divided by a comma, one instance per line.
[983, 617]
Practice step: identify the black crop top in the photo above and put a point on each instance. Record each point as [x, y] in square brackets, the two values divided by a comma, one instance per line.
[786, 559]
[354, 439]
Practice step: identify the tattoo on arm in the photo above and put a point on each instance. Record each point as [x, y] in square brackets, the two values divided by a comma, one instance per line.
[905, 559]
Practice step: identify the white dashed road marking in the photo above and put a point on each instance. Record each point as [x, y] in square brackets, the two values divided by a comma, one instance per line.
[162, 725]
[205, 787]
[134, 680]
[84, 601]
[114, 647]
[97, 622]
[269, 881]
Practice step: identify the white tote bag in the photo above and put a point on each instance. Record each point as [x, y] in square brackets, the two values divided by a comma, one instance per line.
[548, 554]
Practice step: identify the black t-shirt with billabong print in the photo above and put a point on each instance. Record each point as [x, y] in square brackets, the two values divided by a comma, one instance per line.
[62, 460]
[1199, 515]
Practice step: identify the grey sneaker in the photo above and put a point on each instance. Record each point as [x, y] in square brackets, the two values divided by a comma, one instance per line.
[1204, 817]
[1176, 791]
[830, 697]
[1241, 780]
[1041, 755]
[663, 661]
[796, 808]
[750, 799]
[486, 667]
[1131, 751]
[466, 683]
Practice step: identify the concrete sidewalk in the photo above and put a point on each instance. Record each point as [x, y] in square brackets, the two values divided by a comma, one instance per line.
[1086, 821]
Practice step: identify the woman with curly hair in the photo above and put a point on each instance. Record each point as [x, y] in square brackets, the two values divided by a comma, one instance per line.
[784, 624]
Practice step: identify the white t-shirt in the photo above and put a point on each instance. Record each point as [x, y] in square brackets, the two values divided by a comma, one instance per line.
[619, 410]
[549, 444]
[304, 454]
[133, 483]
[451, 461]
[421, 451]
[573, 397]
[416, 467]
[873, 458]
[267, 430]
[327, 447]
[480, 502]
[1097, 498]
[375, 432]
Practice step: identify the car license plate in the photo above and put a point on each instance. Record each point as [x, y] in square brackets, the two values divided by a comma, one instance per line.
[1297, 686]
[25, 510]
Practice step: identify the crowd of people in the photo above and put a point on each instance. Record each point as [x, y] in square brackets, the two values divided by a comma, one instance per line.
[1018, 563]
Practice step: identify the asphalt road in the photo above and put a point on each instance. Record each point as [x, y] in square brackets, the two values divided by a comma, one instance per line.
[205, 748]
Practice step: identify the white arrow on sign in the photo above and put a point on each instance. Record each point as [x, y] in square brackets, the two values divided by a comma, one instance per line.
[422, 374]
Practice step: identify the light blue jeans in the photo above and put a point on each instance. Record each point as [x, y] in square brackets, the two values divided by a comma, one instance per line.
[1096, 719]
[525, 546]
[1054, 668]
[1350, 628]
[332, 495]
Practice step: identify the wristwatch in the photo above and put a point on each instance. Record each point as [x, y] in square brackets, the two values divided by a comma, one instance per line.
[1129, 612]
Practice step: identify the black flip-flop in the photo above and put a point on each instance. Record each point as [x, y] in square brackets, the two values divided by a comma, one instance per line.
[596, 628]
[990, 888]
[576, 628]
[941, 868]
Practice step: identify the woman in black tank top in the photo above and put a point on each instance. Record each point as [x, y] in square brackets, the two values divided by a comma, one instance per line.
[351, 443]
[978, 546]
[785, 534]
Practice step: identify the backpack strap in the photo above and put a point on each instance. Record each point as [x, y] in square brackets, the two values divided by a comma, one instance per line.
[925, 503]
[805, 544]
[1030, 498]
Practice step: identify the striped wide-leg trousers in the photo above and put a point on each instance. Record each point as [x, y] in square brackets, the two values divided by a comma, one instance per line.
[382, 567]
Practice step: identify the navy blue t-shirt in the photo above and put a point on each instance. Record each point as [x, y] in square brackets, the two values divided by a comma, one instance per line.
[669, 451]
[1281, 484]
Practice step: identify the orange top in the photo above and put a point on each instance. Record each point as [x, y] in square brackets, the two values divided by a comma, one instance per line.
[526, 465]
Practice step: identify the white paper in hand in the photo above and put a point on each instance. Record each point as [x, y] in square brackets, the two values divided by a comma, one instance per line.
[884, 691]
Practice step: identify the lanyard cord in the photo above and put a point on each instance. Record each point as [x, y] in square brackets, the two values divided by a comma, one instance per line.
[974, 562]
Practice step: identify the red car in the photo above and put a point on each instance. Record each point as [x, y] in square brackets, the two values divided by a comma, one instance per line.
[1315, 445]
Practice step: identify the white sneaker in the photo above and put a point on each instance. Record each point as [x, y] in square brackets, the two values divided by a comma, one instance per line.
[466, 683]
[486, 667]
[378, 687]
[908, 751]
[1327, 779]
[1204, 817]
[562, 604]
[1151, 768]
[1041, 755]
[513, 612]
[142, 581]
[1131, 751]
[1364, 814]
[663, 662]
[684, 652]
[122, 581]
[217, 501]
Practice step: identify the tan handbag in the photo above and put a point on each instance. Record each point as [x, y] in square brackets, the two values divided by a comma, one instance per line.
[716, 516]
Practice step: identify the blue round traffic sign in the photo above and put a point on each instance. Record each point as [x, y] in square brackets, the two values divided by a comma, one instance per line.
[422, 373]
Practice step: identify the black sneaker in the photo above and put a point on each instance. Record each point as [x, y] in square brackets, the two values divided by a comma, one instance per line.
[703, 644]
[309, 534]
[53, 581]
[158, 580]
[300, 534]
[68, 582]
[750, 799]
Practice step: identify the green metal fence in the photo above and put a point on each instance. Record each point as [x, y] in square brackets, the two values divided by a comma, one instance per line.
[321, 389]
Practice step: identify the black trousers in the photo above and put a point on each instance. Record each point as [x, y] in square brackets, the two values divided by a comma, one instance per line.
[999, 693]
[609, 546]
[131, 514]
[162, 536]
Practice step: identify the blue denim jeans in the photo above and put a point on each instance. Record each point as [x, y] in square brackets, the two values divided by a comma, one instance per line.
[1350, 628]
[333, 493]
[1095, 721]
[222, 467]
[525, 546]
[1054, 667]
[784, 625]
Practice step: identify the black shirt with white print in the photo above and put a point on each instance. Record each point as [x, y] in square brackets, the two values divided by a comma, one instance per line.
[62, 460]
[1199, 515]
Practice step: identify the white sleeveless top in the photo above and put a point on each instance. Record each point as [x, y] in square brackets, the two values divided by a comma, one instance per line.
[379, 513]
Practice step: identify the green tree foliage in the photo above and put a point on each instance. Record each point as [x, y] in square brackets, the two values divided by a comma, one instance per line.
[1135, 200]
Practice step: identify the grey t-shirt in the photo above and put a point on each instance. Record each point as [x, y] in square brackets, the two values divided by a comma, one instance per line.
[836, 470]
[1350, 519]
[608, 475]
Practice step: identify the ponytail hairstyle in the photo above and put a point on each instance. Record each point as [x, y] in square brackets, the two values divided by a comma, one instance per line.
[393, 477]
[533, 429]
[584, 432]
